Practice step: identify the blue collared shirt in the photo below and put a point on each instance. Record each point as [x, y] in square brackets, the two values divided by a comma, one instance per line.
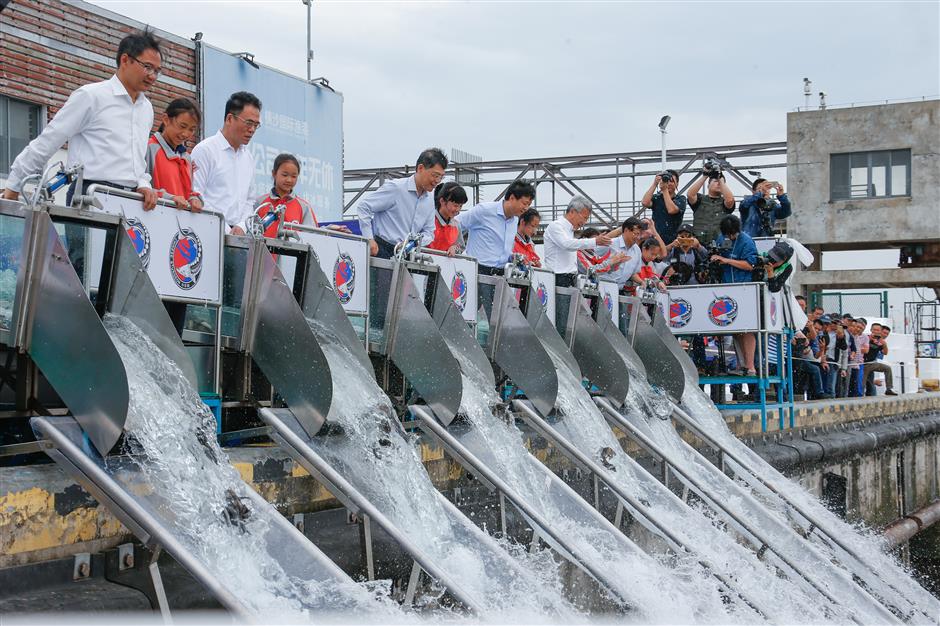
[751, 215]
[490, 233]
[395, 210]
[743, 249]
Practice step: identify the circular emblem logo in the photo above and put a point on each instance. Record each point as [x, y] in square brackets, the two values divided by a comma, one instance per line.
[609, 303]
[541, 292]
[458, 290]
[344, 277]
[680, 312]
[186, 258]
[722, 311]
[140, 237]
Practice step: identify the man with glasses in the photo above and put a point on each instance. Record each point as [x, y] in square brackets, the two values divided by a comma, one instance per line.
[107, 126]
[491, 227]
[403, 206]
[223, 166]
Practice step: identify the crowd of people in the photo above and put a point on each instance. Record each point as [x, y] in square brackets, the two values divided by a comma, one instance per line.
[107, 126]
[834, 356]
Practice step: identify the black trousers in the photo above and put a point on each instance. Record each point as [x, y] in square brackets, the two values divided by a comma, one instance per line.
[486, 270]
[566, 280]
[386, 248]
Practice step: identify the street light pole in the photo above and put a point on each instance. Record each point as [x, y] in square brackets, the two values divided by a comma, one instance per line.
[309, 50]
[663, 123]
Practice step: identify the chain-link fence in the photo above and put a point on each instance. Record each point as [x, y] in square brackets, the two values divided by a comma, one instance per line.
[856, 303]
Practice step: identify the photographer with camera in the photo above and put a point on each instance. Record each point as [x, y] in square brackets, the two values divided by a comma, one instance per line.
[877, 347]
[737, 263]
[775, 266]
[686, 257]
[709, 208]
[667, 207]
[768, 204]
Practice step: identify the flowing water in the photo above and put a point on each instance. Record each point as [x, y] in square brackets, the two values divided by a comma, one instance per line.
[175, 468]
[658, 594]
[383, 463]
[649, 411]
[7, 293]
[779, 599]
[883, 574]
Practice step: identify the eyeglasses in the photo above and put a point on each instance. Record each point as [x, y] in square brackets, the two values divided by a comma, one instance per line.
[249, 123]
[150, 69]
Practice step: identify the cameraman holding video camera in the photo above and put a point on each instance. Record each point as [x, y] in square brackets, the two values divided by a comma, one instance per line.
[668, 207]
[709, 208]
[759, 211]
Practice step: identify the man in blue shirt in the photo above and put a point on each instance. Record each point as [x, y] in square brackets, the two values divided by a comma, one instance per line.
[760, 210]
[403, 206]
[668, 206]
[738, 261]
[491, 227]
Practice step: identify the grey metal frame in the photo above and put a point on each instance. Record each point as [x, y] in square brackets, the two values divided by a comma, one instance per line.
[557, 172]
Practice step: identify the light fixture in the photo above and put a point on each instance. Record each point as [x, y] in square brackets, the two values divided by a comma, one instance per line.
[664, 122]
[248, 58]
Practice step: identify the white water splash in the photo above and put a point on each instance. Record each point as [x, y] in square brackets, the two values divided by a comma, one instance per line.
[383, 463]
[175, 467]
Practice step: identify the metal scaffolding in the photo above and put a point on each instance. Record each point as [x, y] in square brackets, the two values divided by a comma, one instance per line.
[609, 181]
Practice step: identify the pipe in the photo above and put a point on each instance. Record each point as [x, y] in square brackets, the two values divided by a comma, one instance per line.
[903, 529]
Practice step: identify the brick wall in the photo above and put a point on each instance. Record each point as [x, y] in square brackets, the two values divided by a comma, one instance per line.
[49, 48]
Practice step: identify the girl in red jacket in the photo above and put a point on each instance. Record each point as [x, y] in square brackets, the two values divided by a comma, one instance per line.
[167, 160]
[292, 209]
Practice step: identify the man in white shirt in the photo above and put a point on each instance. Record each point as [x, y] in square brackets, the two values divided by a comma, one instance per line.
[627, 243]
[491, 227]
[561, 247]
[223, 166]
[403, 206]
[107, 126]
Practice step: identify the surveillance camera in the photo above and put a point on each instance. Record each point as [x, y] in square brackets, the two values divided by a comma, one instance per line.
[197, 36]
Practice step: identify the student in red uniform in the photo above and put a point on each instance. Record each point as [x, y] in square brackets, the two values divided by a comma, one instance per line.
[292, 209]
[449, 198]
[528, 225]
[167, 160]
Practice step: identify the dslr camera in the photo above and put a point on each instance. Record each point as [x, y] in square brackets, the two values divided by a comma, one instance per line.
[666, 177]
[711, 168]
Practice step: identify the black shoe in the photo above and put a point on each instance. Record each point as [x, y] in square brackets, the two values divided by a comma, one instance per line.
[891, 392]
[824, 396]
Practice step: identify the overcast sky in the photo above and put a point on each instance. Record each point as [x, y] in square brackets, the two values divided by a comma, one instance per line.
[520, 80]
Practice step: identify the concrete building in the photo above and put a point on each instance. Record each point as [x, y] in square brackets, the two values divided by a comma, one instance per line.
[866, 178]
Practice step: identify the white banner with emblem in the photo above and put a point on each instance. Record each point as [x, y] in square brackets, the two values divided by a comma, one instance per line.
[774, 311]
[459, 274]
[181, 251]
[610, 298]
[345, 261]
[711, 309]
[543, 283]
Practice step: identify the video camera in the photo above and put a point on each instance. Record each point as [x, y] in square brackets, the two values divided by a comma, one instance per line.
[714, 270]
[711, 168]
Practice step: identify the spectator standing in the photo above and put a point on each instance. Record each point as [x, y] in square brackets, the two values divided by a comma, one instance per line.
[528, 226]
[668, 207]
[223, 166]
[767, 204]
[491, 227]
[561, 246]
[403, 206]
[170, 166]
[449, 199]
[107, 126]
[738, 267]
[709, 208]
[877, 347]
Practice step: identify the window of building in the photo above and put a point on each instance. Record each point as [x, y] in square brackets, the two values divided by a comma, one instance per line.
[19, 124]
[879, 174]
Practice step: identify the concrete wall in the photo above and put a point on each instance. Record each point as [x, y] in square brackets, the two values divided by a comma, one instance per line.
[852, 224]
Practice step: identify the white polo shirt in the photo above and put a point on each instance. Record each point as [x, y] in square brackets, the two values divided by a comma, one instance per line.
[561, 248]
[223, 175]
[107, 132]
